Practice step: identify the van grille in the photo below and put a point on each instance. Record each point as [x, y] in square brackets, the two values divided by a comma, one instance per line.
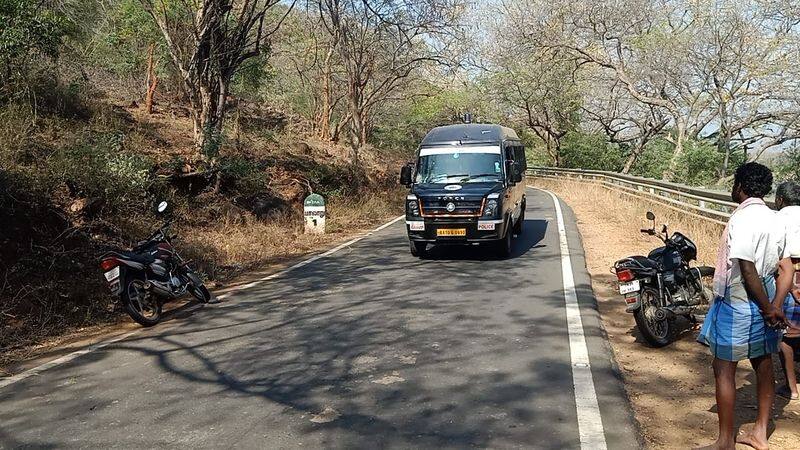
[437, 206]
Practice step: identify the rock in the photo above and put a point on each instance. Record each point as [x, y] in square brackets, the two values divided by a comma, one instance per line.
[303, 148]
[86, 207]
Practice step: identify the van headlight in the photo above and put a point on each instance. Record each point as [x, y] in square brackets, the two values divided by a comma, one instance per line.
[491, 208]
[412, 206]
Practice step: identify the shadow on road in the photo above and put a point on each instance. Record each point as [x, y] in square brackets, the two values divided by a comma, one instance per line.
[369, 347]
[533, 231]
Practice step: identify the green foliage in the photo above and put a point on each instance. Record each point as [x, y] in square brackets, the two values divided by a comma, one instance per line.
[27, 29]
[99, 168]
[590, 151]
[788, 167]
[654, 160]
[246, 176]
[700, 164]
[402, 125]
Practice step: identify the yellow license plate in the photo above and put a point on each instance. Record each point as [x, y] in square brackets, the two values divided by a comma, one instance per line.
[451, 232]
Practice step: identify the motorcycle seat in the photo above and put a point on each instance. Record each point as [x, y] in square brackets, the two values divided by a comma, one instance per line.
[143, 258]
[643, 262]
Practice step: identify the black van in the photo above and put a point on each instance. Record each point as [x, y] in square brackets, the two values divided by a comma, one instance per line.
[466, 187]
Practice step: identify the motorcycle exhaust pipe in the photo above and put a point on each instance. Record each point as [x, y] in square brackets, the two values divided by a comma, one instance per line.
[159, 289]
[673, 311]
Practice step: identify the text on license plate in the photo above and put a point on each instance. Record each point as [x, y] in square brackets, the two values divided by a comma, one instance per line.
[627, 288]
[451, 232]
[112, 274]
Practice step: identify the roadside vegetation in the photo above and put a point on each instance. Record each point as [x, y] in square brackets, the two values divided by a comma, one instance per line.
[235, 110]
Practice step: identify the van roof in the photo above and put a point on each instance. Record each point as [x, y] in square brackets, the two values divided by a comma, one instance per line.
[470, 133]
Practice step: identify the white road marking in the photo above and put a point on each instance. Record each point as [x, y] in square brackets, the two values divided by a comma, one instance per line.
[70, 356]
[590, 423]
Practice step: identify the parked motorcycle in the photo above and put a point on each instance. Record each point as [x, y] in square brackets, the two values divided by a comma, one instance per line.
[151, 274]
[662, 286]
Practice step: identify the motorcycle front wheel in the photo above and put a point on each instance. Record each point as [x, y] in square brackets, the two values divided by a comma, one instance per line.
[139, 303]
[197, 288]
[657, 333]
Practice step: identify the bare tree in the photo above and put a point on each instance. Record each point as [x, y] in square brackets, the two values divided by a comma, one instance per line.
[381, 45]
[624, 121]
[208, 40]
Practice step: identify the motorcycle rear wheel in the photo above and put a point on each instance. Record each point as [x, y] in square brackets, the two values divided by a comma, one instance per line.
[657, 333]
[143, 306]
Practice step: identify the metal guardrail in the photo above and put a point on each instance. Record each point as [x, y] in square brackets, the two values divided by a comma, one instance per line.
[714, 206]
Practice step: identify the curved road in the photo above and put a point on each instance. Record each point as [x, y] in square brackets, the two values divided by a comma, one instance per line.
[365, 347]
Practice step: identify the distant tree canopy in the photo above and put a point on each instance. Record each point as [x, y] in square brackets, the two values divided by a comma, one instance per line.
[673, 89]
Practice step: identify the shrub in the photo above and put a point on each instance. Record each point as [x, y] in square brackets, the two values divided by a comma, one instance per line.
[590, 151]
[788, 166]
[654, 160]
[700, 163]
[101, 169]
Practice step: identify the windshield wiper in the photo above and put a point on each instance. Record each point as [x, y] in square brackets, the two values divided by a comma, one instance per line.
[481, 175]
[447, 175]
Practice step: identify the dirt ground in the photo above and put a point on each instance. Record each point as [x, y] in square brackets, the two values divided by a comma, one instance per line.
[672, 388]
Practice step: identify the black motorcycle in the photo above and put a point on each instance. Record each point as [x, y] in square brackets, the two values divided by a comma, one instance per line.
[662, 286]
[151, 274]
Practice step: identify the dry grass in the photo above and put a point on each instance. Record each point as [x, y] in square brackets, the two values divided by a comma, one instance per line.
[672, 388]
[229, 247]
[626, 215]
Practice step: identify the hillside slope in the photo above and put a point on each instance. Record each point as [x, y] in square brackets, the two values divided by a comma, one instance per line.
[78, 179]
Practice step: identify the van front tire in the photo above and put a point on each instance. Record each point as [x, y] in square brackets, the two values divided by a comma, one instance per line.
[418, 249]
[503, 246]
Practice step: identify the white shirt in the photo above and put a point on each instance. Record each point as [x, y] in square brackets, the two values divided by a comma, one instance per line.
[755, 234]
[790, 218]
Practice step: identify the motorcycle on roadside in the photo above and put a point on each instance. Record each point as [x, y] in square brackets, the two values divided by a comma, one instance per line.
[662, 286]
[151, 274]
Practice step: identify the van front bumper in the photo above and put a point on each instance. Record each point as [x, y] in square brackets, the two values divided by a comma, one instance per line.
[476, 230]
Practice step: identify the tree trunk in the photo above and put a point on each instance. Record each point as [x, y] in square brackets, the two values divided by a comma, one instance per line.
[325, 111]
[724, 140]
[680, 138]
[208, 111]
[637, 150]
[152, 80]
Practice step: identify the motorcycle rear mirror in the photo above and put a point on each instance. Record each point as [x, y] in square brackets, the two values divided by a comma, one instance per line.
[650, 215]
[162, 206]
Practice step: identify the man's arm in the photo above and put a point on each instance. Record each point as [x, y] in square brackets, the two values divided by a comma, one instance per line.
[755, 292]
[784, 283]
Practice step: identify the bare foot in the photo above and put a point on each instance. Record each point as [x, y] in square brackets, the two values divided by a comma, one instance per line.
[750, 439]
[718, 446]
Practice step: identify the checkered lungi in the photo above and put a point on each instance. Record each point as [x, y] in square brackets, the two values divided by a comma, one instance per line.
[734, 328]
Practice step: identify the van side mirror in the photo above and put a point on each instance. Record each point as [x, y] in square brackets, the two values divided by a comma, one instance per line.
[405, 175]
[517, 174]
[512, 170]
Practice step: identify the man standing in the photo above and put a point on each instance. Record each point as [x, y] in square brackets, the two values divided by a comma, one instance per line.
[787, 200]
[740, 322]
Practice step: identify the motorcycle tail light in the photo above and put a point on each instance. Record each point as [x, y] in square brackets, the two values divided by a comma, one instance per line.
[109, 263]
[625, 275]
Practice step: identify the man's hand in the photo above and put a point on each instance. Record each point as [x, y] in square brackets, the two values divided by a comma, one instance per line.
[774, 317]
[796, 293]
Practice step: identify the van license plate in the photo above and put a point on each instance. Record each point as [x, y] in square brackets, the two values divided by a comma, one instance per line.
[451, 232]
[627, 288]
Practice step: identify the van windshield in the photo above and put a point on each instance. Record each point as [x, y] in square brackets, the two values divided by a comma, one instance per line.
[455, 165]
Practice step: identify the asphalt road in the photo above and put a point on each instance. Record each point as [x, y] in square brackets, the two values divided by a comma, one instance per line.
[367, 347]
